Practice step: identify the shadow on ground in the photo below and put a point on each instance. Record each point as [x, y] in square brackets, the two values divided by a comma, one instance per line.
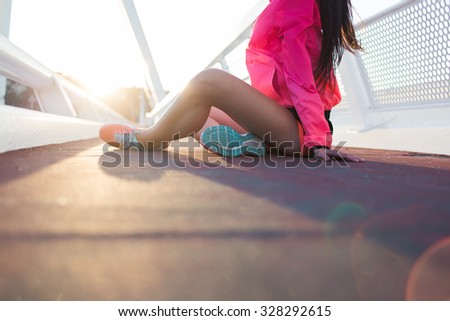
[85, 223]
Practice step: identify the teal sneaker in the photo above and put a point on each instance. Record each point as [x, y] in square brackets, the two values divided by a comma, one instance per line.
[128, 140]
[225, 141]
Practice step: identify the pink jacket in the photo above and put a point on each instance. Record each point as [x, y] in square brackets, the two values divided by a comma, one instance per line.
[282, 54]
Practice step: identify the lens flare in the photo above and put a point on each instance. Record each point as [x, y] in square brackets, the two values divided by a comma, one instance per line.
[344, 220]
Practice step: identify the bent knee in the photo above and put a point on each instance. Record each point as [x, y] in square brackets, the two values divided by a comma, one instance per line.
[208, 77]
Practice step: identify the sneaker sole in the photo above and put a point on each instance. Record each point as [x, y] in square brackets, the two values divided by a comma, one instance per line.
[225, 141]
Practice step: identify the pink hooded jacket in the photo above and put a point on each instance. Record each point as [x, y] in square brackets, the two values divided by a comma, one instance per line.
[281, 58]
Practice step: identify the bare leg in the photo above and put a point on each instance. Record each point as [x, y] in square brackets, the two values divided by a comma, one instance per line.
[247, 106]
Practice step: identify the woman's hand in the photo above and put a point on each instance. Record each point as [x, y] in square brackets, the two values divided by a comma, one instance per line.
[328, 154]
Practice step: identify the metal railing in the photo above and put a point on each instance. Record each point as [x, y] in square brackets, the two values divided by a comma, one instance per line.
[406, 57]
[54, 94]
[238, 37]
[405, 64]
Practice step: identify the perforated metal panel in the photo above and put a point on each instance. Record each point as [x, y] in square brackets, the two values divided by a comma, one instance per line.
[344, 101]
[407, 55]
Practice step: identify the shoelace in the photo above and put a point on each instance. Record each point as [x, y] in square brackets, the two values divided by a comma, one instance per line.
[127, 140]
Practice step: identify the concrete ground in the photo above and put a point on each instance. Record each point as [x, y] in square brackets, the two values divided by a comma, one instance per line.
[82, 222]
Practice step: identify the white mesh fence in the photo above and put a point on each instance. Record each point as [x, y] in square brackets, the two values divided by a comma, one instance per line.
[407, 55]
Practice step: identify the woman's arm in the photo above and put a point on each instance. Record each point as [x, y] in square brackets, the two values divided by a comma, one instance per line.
[299, 75]
[300, 81]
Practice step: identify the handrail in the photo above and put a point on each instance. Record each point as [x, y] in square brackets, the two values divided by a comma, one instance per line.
[157, 91]
[243, 33]
[21, 67]
[57, 98]
[53, 91]
[240, 34]
[386, 13]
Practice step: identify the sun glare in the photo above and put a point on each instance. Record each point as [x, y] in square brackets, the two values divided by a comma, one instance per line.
[101, 50]
[100, 88]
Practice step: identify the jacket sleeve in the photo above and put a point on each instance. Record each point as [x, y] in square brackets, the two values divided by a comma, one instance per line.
[298, 71]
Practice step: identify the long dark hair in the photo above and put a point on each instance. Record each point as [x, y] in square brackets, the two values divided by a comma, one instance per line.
[337, 35]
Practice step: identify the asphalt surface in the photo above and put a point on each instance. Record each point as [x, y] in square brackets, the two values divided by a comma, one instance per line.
[80, 221]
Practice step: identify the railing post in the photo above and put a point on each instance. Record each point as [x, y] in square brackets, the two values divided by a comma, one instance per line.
[358, 91]
[224, 65]
[5, 18]
[152, 72]
[55, 100]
